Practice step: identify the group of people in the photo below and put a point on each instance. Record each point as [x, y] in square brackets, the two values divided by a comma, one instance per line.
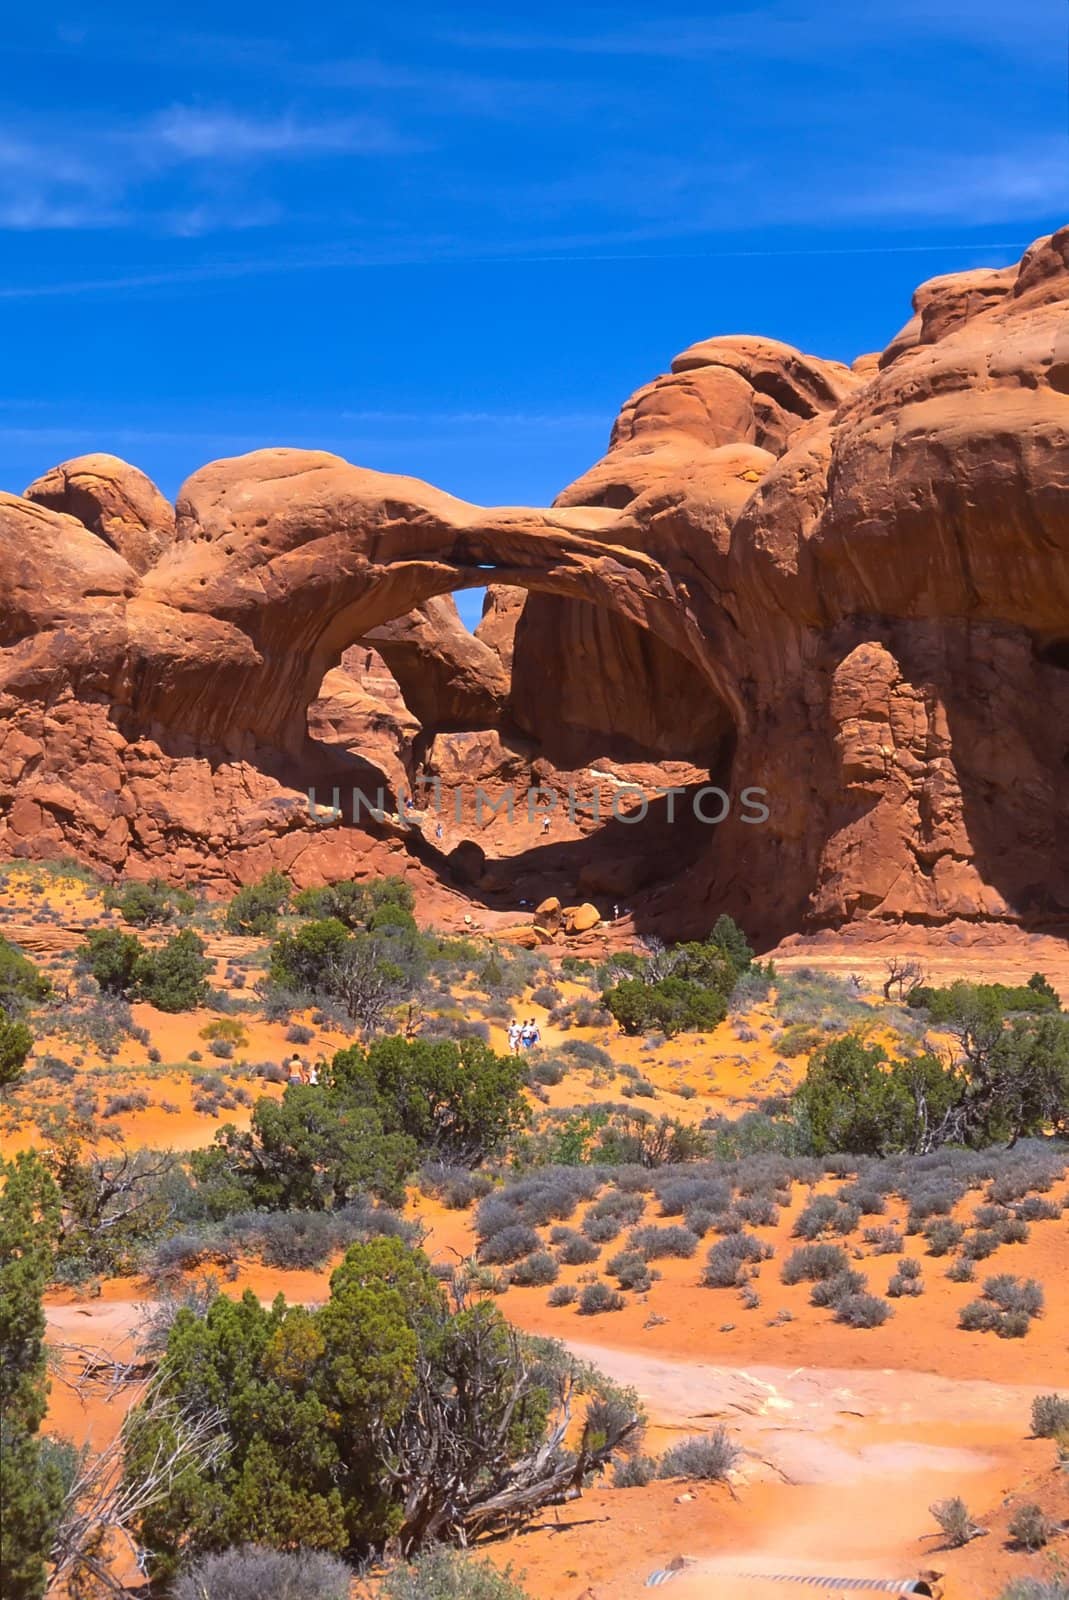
[524, 1036]
[300, 1072]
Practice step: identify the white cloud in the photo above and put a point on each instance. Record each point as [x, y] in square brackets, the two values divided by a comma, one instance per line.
[102, 176]
[195, 134]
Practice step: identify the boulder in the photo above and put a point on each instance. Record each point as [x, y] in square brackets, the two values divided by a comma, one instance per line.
[580, 919]
[547, 915]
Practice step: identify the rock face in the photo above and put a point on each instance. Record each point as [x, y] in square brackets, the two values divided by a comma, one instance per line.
[845, 588]
[449, 677]
[113, 500]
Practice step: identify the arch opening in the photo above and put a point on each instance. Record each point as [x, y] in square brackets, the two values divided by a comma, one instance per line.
[557, 750]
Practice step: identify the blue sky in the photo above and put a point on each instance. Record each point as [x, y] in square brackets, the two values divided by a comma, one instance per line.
[450, 240]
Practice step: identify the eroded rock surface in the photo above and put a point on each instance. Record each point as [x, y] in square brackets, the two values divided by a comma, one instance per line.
[848, 587]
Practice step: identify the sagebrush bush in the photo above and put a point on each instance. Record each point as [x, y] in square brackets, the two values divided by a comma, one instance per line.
[1031, 1528]
[601, 1230]
[942, 1235]
[832, 1291]
[862, 1311]
[536, 1270]
[655, 1244]
[826, 1214]
[456, 1187]
[905, 1282]
[630, 1270]
[812, 1261]
[1007, 1307]
[977, 1246]
[622, 1205]
[117, 1105]
[564, 1294]
[759, 1210]
[953, 1517]
[728, 1259]
[884, 1241]
[679, 1194]
[598, 1297]
[634, 1472]
[1035, 1208]
[254, 1572]
[709, 1457]
[865, 1197]
[444, 1574]
[1037, 1589]
[1015, 1294]
[574, 1249]
[508, 1244]
[1050, 1415]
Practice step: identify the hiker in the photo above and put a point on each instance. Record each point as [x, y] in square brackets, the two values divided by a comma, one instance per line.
[616, 912]
[313, 1074]
[528, 1033]
[514, 1037]
[296, 1072]
[438, 833]
[535, 1033]
[545, 826]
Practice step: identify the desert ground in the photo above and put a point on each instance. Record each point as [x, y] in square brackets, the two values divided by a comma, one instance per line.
[848, 1434]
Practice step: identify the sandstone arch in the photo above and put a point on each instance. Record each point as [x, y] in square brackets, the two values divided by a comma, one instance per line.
[867, 569]
[287, 557]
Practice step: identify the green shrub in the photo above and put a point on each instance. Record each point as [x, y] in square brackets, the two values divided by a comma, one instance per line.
[256, 907]
[20, 981]
[111, 957]
[332, 1421]
[16, 1042]
[173, 977]
[674, 1005]
[32, 1490]
[146, 904]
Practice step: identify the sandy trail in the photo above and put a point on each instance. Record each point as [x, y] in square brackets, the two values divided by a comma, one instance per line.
[841, 1465]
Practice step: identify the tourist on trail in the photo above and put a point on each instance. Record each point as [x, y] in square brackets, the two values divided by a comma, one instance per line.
[527, 1034]
[536, 1034]
[514, 1037]
[545, 826]
[296, 1073]
[313, 1075]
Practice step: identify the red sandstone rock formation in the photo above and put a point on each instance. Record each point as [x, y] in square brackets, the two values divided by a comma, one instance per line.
[849, 587]
[114, 501]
